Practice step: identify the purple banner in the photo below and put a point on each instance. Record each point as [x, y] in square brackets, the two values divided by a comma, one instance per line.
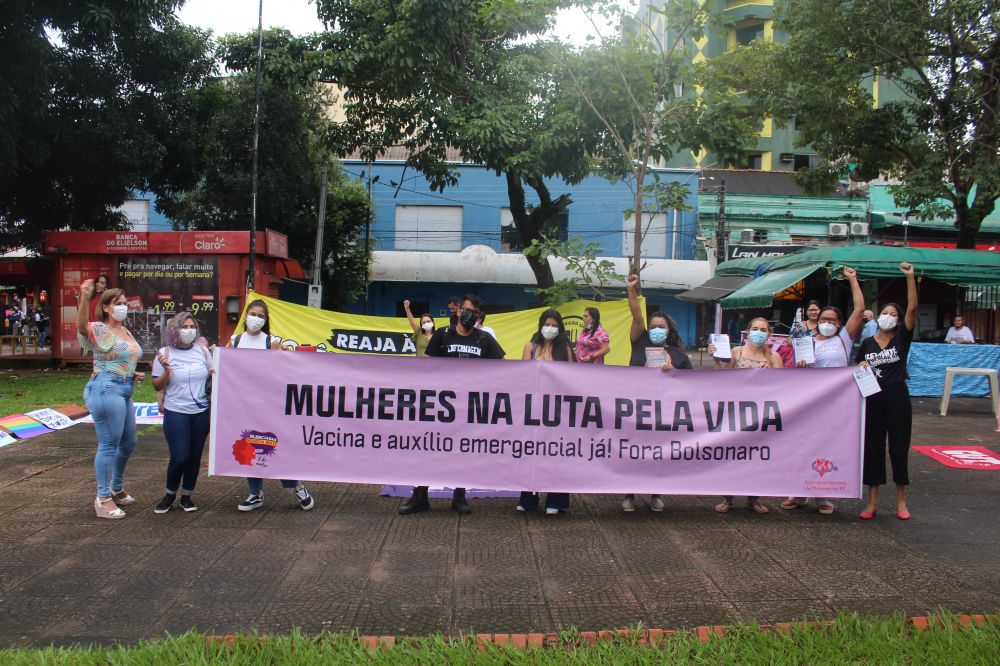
[559, 427]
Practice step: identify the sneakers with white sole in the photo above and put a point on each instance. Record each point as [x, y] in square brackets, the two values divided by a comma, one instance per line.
[252, 502]
[306, 500]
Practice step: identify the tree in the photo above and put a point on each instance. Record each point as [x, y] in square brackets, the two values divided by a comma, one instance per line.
[462, 74]
[940, 134]
[96, 100]
[645, 100]
[292, 155]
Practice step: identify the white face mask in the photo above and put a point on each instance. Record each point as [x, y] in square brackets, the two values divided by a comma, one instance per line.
[827, 329]
[254, 323]
[187, 335]
[550, 332]
[427, 325]
[119, 312]
[887, 322]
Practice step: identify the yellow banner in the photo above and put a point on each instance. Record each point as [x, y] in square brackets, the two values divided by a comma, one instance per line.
[344, 333]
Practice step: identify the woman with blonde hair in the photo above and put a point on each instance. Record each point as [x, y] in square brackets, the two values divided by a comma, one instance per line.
[753, 354]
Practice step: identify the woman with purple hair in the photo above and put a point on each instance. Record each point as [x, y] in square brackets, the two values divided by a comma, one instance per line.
[181, 370]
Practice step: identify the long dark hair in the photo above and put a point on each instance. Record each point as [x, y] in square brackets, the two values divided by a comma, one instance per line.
[673, 336]
[595, 314]
[560, 344]
[267, 315]
[900, 314]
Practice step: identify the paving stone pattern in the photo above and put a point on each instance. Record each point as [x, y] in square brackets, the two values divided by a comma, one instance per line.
[353, 564]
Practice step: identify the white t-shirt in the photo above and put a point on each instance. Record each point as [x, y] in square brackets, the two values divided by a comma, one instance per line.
[250, 341]
[959, 334]
[833, 352]
[189, 368]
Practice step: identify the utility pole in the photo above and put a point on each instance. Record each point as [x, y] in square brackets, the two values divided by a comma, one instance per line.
[316, 288]
[368, 222]
[256, 145]
[720, 227]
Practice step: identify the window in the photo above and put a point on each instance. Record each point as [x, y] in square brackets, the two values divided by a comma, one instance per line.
[754, 161]
[748, 33]
[424, 228]
[510, 240]
[654, 242]
[805, 161]
[760, 235]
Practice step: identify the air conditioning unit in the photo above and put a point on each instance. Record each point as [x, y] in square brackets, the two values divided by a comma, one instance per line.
[787, 158]
[746, 235]
[837, 230]
[859, 228]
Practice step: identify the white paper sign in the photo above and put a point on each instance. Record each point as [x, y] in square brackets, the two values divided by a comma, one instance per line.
[51, 418]
[867, 383]
[804, 350]
[6, 439]
[722, 347]
[655, 357]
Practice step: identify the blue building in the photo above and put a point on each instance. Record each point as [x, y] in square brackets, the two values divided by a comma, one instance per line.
[431, 245]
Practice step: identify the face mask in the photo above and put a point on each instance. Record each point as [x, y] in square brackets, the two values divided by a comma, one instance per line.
[587, 327]
[187, 335]
[757, 337]
[427, 325]
[550, 332]
[827, 329]
[658, 335]
[467, 319]
[254, 323]
[887, 322]
[119, 312]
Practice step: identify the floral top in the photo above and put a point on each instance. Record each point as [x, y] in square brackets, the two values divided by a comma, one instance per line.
[589, 342]
[111, 353]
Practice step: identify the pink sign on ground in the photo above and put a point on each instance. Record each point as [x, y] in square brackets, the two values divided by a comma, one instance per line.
[558, 427]
[962, 457]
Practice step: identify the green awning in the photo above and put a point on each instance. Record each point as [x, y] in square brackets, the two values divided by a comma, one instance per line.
[759, 292]
[714, 289]
[880, 261]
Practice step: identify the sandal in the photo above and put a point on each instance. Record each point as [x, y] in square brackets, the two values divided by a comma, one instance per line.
[757, 507]
[122, 497]
[724, 506]
[826, 508]
[790, 503]
[101, 512]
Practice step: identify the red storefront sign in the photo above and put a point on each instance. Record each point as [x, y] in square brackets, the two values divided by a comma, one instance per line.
[270, 243]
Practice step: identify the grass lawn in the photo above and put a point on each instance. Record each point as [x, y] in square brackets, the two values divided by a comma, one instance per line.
[851, 640]
[24, 390]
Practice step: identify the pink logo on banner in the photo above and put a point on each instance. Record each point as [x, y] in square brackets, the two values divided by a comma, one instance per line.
[254, 446]
[823, 466]
[962, 457]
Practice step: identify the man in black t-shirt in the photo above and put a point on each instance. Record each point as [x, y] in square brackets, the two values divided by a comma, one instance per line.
[463, 340]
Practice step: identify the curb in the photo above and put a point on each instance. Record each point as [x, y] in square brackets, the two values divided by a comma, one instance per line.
[646, 637]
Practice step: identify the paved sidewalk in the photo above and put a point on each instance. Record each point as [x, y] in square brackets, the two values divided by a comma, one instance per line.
[352, 563]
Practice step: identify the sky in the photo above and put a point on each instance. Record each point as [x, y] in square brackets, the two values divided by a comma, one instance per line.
[299, 17]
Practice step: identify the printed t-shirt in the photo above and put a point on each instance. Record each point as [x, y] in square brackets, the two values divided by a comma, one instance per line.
[889, 364]
[447, 342]
[111, 353]
[185, 393]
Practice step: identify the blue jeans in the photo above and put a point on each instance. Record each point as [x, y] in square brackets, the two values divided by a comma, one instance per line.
[257, 485]
[110, 403]
[186, 435]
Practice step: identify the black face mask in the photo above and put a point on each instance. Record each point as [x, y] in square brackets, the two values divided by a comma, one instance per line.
[468, 319]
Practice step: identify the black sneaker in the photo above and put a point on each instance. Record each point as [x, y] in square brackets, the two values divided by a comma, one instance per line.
[306, 500]
[187, 504]
[458, 503]
[165, 503]
[250, 503]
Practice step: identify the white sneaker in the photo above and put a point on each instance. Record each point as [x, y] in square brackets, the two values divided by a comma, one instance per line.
[628, 504]
[656, 503]
[551, 511]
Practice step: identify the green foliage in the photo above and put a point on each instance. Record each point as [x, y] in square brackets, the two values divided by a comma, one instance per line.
[292, 155]
[936, 63]
[643, 100]
[97, 98]
[580, 257]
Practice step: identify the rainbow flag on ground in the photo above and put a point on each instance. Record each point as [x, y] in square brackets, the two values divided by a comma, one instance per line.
[22, 426]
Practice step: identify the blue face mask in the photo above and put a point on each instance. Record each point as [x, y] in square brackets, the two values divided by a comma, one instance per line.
[657, 335]
[757, 337]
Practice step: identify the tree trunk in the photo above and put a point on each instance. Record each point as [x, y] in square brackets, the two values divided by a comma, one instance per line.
[967, 236]
[529, 225]
[640, 179]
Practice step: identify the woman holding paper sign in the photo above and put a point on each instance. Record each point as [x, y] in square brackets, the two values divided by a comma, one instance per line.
[658, 347]
[888, 413]
[549, 343]
[108, 394]
[754, 354]
[832, 346]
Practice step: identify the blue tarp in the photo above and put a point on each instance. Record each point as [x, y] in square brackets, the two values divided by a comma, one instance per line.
[928, 361]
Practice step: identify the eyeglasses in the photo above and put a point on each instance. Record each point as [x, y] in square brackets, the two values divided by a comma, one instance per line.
[475, 312]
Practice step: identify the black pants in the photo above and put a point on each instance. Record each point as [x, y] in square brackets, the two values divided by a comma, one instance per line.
[888, 414]
[186, 434]
[552, 500]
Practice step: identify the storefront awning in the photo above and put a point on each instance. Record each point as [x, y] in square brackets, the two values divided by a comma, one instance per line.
[759, 292]
[714, 289]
